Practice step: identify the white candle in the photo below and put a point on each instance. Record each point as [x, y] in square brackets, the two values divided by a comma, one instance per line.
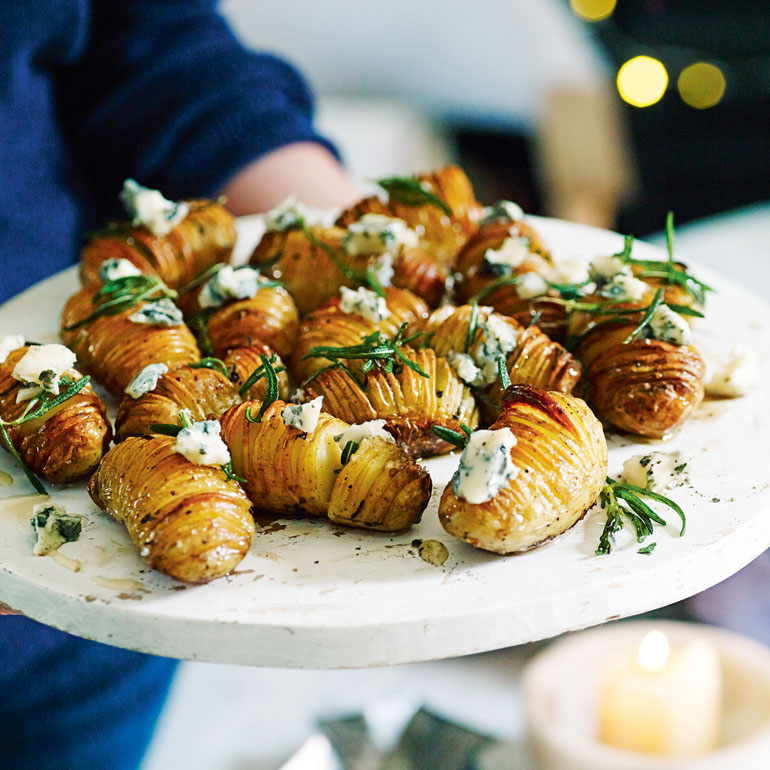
[661, 701]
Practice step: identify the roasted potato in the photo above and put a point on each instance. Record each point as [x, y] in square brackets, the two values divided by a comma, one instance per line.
[289, 472]
[440, 235]
[535, 360]
[560, 465]
[409, 403]
[203, 238]
[270, 318]
[189, 521]
[207, 393]
[113, 348]
[67, 442]
[329, 325]
[422, 274]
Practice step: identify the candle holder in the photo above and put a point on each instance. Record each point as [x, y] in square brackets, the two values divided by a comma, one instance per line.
[561, 686]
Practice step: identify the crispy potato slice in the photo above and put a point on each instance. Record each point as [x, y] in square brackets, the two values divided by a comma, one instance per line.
[561, 457]
[421, 273]
[65, 444]
[203, 238]
[113, 349]
[188, 520]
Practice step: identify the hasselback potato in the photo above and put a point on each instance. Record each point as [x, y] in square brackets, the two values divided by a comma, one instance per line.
[292, 472]
[64, 444]
[422, 274]
[558, 465]
[532, 358]
[644, 386]
[112, 348]
[410, 403]
[207, 393]
[441, 234]
[270, 318]
[331, 325]
[189, 521]
[203, 238]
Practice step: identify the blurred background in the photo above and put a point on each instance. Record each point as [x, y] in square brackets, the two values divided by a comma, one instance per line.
[607, 112]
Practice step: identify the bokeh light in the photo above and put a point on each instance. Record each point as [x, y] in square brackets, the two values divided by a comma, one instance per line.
[593, 10]
[701, 85]
[642, 81]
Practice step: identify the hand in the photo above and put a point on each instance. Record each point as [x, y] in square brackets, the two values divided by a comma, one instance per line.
[6, 610]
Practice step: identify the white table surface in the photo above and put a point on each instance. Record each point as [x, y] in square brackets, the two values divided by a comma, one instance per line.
[236, 718]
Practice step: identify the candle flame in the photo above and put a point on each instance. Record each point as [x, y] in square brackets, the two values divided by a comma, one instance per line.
[653, 651]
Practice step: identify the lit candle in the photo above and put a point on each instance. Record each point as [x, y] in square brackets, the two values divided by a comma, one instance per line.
[662, 701]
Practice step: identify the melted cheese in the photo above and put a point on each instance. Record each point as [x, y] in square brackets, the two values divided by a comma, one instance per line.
[602, 269]
[498, 340]
[303, 417]
[149, 208]
[202, 444]
[357, 433]
[485, 465]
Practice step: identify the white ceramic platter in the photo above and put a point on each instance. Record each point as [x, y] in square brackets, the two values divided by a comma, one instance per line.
[313, 595]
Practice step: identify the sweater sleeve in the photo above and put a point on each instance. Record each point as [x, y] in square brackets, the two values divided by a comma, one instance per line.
[166, 94]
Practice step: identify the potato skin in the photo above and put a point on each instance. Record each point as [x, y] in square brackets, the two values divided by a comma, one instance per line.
[113, 349]
[646, 387]
[205, 237]
[422, 274]
[561, 455]
[188, 521]
[293, 473]
[270, 317]
[440, 235]
[67, 443]
[536, 360]
[409, 403]
[330, 326]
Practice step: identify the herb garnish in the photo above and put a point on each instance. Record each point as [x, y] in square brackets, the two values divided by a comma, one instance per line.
[38, 407]
[452, 436]
[271, 390]
[260, 372]
[209, 362]
[502, 373]
[620, 499]
[412, 192]
[123, 293]
[375, 350]
[473, 326]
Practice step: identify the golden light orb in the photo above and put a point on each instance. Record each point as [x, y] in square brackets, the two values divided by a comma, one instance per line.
[701, 85]
[642, 81]
[593, 10]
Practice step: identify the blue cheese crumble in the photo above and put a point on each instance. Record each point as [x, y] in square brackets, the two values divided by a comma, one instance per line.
[382, 269]
[365, 303]
[53, 527]
[485, 465]
[667, 325]
[465, 368]
[498, 339]
[8, 344]
[623, 286]
[510, 254]
[601, 269]
[112, 269]
[531, 285]
[377, 234]
[656, 471]
[358, 432]
[501, 211]
[149, 208]
[303, 417]
[290, 213]
[42, 367]
[146, 380]
[229, 283]
[202, 444]
[731, 374]
[160, 312]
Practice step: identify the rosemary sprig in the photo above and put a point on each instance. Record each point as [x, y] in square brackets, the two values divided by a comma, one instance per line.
[351, 447]
[199, 324]
[121, 294]
[335, 365]
[452, 436]
[231, 474]
[209, 362]
[38, 407]
[619, 500]
[647, 317]
[201, 279]
[165, 429]
[260, 372]
[412, 192]
[375, 350]
[271, 390]
[368, 279]
[502, 373]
